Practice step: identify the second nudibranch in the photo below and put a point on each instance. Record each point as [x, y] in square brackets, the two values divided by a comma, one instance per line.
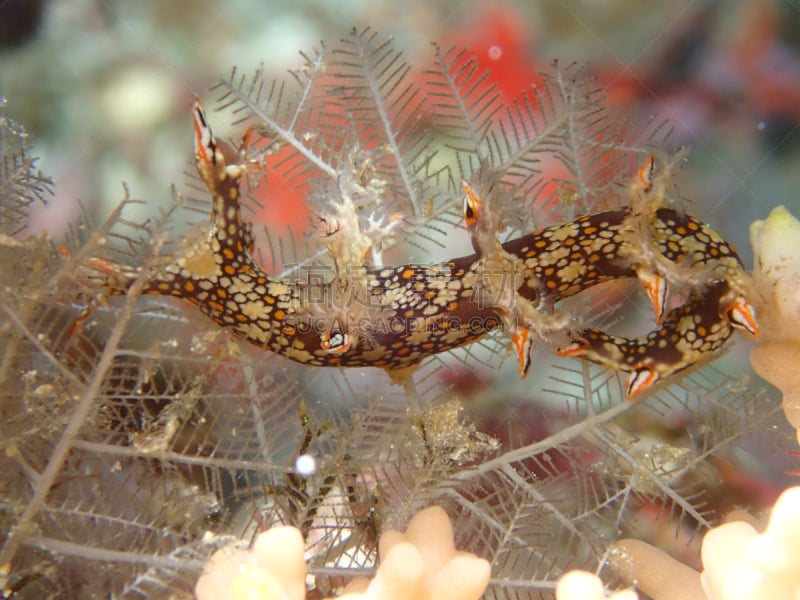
[395, 317]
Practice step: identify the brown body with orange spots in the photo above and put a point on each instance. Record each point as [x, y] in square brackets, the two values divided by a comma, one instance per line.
[394, 317]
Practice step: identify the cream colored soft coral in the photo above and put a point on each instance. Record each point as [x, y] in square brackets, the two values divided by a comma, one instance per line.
[740, 564]
[423, 564]
[776, 274]
[273, 570]
[776, 277]
[582, 585]
[420, 564]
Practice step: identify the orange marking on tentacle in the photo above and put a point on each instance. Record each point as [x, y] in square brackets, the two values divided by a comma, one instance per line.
[742, 315]
[472, 205]
[645, 173]
[575, 349]
[657, 289]
[204, 144]
[640, 379]
[523, 344]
